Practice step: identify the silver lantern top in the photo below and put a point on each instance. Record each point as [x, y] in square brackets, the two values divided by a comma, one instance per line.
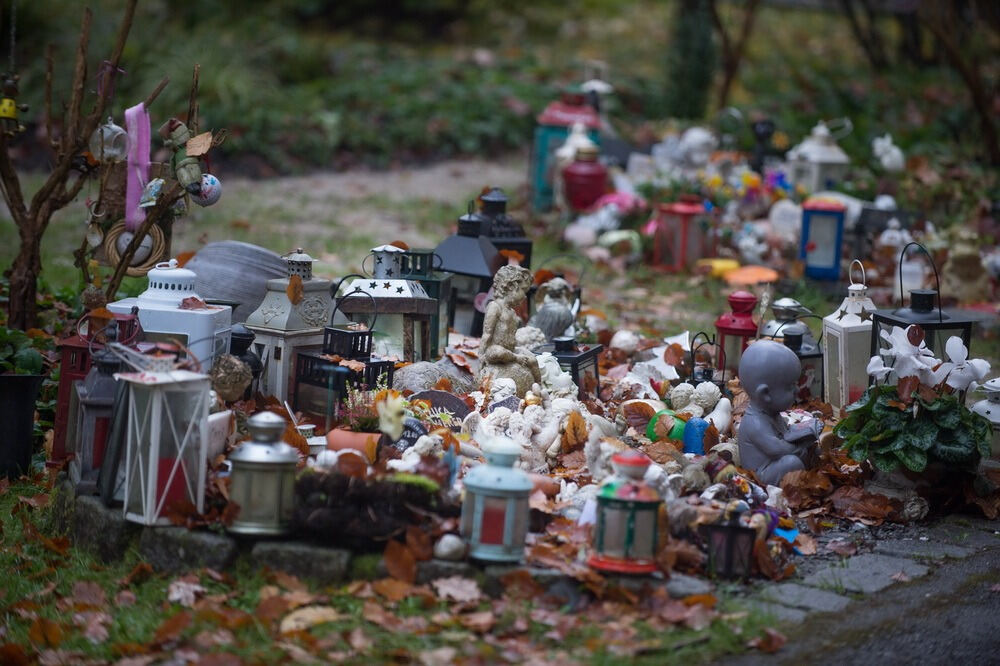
[266, 445]
[819, 148]
[299, 263]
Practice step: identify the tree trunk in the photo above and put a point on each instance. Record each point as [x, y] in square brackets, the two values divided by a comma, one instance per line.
[24, 280]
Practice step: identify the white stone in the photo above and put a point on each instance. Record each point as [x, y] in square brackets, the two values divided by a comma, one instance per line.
[450, 547]
[625, 340]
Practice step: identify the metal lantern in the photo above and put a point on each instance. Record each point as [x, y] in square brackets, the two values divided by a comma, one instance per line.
[504, 231]
[262, 481]
[938, 324]
[283, 329]
[702, 371]
[681, 236]
[320, 387]
[585, 180]
[495, 509]
[730, 544]
[351, 340]
[786, 311]
[989, 408]
[810, 356]
[553, 128]
[625, 536]
[818, 163]
[822, 238]
[165, 460]
[473, 260]
[95, 398]
[422, 265]
[580, 361]
[847, 335]
[735, 329]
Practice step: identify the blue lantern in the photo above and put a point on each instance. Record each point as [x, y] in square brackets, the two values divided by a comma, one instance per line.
[822, 238]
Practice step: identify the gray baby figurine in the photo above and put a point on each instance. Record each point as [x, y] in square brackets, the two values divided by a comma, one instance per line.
[769, 373]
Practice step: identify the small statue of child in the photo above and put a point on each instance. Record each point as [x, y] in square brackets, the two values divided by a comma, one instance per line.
[769, 372]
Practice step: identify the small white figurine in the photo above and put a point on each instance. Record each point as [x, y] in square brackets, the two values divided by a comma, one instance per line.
[888, 154]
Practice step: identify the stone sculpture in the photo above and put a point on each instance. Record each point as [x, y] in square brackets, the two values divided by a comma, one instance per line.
[499, 354]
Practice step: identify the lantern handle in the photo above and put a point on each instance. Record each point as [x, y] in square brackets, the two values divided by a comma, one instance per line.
[708, 341]
[440, 260]
[804, 316]
[358, 291]
[366, 273]
[937, 279]
[845, 127]
[850, 270]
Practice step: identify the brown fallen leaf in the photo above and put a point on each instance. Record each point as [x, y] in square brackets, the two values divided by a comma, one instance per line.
[94, 624]
[843, 547]
[39, 501]
[139, 573]
[400, 561]
[805, 543]
[209, 639]
[45, 633]
[442, 656]
[287, 581]
[457, 588]
[375, 614]
[520, 584]
[900, 577]
[171, 628]
[805, 488]
[185, 591]
[392, 589]
[125, 598]
[443, 384]
[295, 290]
[270, 609]
[358, 640]
[88, 594]
[770, 642]
[13, 654]
[574, 434]
[308, 617]
[420, 543]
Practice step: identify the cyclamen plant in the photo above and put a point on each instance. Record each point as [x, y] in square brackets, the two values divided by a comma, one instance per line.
[920, 418]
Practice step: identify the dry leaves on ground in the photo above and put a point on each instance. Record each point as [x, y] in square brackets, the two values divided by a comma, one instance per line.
[399, 561]
[457, 588]
[185, 591]
[310, 616]
[770, 642]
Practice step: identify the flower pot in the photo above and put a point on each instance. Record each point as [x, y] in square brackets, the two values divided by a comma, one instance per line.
[339, 439]
[17, 417]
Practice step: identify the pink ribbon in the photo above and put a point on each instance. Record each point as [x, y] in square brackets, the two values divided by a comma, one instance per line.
[137, 166]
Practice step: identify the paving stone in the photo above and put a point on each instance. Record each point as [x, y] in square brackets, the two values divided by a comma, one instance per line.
[779, 612]
[972, 521]
[324, 565]
[808, 598]
[936, 550]
[864, 573]
[181, 549]
[681, 585]
[101, 530]
[434, 568]
[962, 535]
[63, 505]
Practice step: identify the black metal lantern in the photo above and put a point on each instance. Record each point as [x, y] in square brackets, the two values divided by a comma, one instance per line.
[349, 341]
[422, 265]
[938, 324]
[730, 545]
[240, 339]
[810, 356]
[473, 260]
[580, 361]
[707, 372]
[96, 400]
[505, 232]
[320, 386]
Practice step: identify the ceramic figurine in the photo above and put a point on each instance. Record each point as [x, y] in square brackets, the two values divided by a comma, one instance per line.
[888, 154]
[555, 315]
[769, 373]
[499, 356]
[187, 169]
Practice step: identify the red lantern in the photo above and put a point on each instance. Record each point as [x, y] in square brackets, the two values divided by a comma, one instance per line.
[678, 239]
[735, 329]
[585, 180]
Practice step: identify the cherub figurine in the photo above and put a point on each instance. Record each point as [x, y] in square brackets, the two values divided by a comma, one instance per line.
[769, 373]
[499, 356]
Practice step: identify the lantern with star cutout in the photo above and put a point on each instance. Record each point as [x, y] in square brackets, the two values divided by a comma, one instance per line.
[847, 346]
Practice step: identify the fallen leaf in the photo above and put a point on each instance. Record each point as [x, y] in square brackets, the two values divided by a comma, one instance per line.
[38, 501]
[520, 584]
[392, 589]
[805, 543]
[45, 633]
[854, 503]
[480, 622]
[375, 614]
[843, 547]
[270, 609]
[573, 460]
[805, 488]
[139, 573]
[661, 451]
[442, 656]
[87, 594]
[770, 642]
[310, 616]
[218, 659]
[288, 581]
[900, 577]
[457, 588]
[171, 628]
[674, 355]
[4, 486]
[443, 384]
[295, 289]
[13, 655]
[184, 591]
[95, 625]
[574, 434]
[400, 561]
[209, 639]
[192, 303]
[420, 543]
[699, 617]
[461, 361]
[125, 598]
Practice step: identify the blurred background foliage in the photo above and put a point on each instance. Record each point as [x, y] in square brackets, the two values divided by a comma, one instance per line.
[307, 84]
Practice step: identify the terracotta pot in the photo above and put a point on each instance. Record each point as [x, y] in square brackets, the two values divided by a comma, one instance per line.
[339, 439]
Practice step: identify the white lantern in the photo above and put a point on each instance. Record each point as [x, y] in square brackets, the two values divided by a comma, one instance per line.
[818, 163]
[165, 461]
[847, 346]
[989, 408]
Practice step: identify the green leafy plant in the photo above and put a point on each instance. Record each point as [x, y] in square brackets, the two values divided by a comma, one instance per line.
[19, 354]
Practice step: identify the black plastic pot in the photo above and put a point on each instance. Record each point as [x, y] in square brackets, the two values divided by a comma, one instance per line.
[17, 418]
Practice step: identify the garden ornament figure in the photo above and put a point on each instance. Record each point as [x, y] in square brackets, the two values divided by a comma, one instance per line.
[888, 154]
[497, 351]
[769, 372]
[555, 314]
[9, 123]
[187, 169]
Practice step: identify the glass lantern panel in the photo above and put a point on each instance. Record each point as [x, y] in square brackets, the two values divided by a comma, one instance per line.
[733, 347]
[936, 340]
[468, 513]
[821, 246]
[832, 368]
[521, 513]
[742, 552]
[287, 497]
[644, 534]
[855, 364]
[614, 524]
[717, 549]
[811, 379]
[589, 379]
[493, 521]
[138, 451]
[180, 447]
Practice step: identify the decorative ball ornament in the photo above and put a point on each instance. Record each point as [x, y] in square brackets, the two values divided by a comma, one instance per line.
[109, 143]
[211, 190]
[141, 253]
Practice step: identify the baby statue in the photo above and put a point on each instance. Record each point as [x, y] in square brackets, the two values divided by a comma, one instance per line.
[498, 354]
[769, 372]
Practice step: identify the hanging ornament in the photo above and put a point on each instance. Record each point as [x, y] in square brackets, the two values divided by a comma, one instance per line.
[109, 143]
[211, 190]
[8, 86]
[95, 235]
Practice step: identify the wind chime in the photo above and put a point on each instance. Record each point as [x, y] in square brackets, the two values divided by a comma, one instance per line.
[9, 107]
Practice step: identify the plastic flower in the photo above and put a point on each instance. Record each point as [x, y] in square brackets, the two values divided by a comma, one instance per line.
[961, 371]
[910, 360]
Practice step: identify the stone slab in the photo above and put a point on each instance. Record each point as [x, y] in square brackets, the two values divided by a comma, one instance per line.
[433, 569]
[101, 530]
[807, 598]
[973, 522]
[181, 549]
[962, 535]
[935, 550]
[779, 612]
[681, 585]
[866, 573]
[678, 585]
[324, 565]
[63, 505]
